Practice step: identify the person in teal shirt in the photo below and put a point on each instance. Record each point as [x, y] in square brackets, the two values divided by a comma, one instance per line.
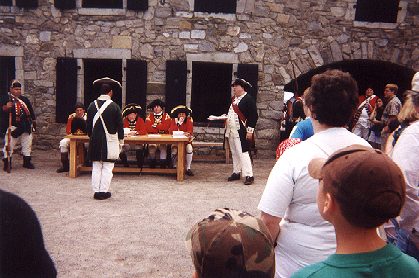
[360, 189]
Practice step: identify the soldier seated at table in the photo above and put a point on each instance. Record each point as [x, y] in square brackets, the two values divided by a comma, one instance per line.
[157, 122]
[133, 121]
[182, 121]
[76, 125]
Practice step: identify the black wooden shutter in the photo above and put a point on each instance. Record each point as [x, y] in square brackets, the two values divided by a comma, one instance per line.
[27, 3]
[175, 83]
[65, 4]
[137, 5]
[66, 88]
[249, 72]
[7, 73]
[215, 6]
[136, 89]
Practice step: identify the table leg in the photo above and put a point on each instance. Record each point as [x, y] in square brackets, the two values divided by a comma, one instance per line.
[73, 159]
[180, 161]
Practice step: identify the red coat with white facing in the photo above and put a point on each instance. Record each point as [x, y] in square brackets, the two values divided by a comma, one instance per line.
[139, 125]
[158, 127]
[186, 126]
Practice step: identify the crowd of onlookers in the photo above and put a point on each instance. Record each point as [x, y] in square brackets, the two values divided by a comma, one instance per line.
[328, 202]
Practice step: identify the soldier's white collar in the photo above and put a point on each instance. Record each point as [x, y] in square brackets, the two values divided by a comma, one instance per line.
[238, 99]
[104, 97]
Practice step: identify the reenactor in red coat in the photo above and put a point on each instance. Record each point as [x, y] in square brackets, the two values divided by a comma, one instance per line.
[182, 121]
[135, 124]
[157, 122]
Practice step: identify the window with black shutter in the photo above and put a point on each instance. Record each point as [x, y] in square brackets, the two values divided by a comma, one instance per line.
[249, 72]
[137, 5]
[65, 4]
[176, 72]
[66, 88]
[384, 11]
[216, 6]
[105, 4]
[136, 86]
[7, 73]
[211, 89]
[27, 3]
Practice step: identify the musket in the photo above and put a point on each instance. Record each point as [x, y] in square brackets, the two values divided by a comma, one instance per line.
[9, 143]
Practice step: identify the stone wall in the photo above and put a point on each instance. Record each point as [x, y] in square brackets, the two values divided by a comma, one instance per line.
[271, 33]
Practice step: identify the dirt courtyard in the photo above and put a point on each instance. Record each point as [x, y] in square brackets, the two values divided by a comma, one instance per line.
[140, 231]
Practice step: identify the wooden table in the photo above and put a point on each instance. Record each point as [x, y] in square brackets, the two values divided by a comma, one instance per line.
[77, 154]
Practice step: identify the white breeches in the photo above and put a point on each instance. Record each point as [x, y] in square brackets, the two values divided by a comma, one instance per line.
[241, 160]
[189, 155]
[152, 149]
[102, 176]
[65, 145]
[25, 141]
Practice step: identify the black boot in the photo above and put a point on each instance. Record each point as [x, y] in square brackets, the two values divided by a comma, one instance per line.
[140, 158]
[6, 164]
[27, 163]
[87, 162]
[65, 162]
[124, 159]
[152, 163]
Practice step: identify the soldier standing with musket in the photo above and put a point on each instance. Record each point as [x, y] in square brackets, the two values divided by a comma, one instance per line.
[17, 123]
[241, 121]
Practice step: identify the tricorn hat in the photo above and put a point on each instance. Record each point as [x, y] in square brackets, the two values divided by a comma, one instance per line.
[79, 105]
[241, 82]
[180, 109]
[131, 108]
[15, 84]
[156, 102]
[115, 85]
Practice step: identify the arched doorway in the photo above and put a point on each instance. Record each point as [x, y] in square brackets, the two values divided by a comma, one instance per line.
[368, 73]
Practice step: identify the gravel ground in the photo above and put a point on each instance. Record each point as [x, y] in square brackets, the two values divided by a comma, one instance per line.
[140, 231]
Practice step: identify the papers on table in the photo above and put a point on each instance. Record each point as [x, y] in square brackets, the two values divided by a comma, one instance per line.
[217, 118]
[154, 135]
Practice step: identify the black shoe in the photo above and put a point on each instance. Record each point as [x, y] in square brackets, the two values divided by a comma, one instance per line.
[7, 167]
[97, 196]
[189, 172]
[234, 177]
[27, 163]
[106, 195]
[102, 195]
[249, 180]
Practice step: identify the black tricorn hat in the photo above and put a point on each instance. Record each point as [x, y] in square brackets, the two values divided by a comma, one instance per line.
[79, 105]
[180, 109]
[15, 84]
[112, 83]
[131, 108]
[156, 102]
[241, 82]
[78, 126]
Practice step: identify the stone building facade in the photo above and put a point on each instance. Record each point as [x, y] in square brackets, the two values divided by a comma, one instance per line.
[273, 34]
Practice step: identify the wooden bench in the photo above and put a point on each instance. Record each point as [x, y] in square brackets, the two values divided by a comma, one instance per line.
[201, 144]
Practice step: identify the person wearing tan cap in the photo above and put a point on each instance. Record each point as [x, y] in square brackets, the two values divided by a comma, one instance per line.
[231, 243]
[360, 189]
[288, 203]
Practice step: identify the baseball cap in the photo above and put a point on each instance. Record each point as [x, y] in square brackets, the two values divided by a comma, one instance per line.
[231, 243]
[368, 186]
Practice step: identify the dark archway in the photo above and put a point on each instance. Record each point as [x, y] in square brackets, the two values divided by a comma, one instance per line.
[368, 73]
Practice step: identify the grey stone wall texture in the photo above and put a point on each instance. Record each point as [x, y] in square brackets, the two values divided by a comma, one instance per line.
[270, 33]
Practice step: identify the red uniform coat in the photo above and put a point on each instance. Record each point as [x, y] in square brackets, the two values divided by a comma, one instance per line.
[70, 120]
[161, 128]
[186, 126]
[139, 126]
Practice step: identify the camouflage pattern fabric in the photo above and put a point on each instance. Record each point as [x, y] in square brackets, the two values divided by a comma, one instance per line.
[231, 243]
